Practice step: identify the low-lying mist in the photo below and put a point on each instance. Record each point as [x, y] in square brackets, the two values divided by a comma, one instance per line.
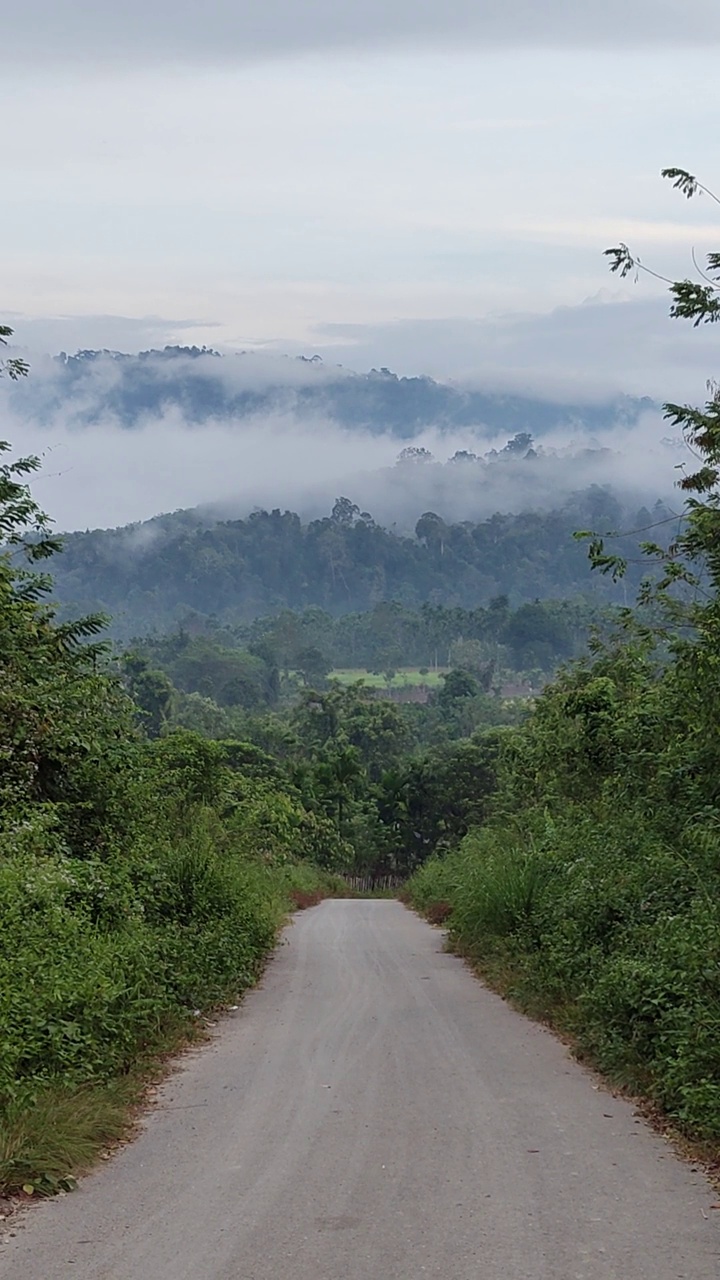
[103, 477]
[124, 438]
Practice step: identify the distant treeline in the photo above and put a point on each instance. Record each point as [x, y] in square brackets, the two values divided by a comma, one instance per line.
[151, 576]
[538, 634]
[93, 386]
[196, 677]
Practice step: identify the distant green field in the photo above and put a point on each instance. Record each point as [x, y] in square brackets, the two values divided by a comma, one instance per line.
[406, 677]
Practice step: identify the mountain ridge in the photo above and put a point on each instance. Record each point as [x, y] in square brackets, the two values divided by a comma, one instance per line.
[203, 385]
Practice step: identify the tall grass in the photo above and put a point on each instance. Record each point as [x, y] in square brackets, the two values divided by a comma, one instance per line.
[501, 884]
[50, 1136]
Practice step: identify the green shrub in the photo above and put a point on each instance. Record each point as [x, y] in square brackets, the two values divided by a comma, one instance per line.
[653, 1014]
[614, 931]
[97, 957]
[434, 882]
[502, 883]
[75, 1000]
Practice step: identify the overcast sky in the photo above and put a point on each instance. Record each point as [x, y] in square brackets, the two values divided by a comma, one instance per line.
[371, 176]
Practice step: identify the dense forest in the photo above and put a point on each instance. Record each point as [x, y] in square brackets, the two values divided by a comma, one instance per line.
[200, 384]
[207, 677]
[152, 576]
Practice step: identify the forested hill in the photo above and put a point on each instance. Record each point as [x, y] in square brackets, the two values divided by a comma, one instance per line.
[201, 385]
[153, 575]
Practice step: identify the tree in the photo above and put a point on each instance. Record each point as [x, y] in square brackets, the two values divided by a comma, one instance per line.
[439, 796]
[313, 665]
[537, 635]
[340, 777]
[414, 454]
[519, 446]
[151, 689]
[457, 684]
[432, 530]
[697, 300]
[22, 522]
[344, 512]
[685, 593]
[478, 657]
[14, 367]
[65, 725]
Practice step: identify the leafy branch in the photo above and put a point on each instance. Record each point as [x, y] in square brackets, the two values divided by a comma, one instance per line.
[14, 367]
[693, 300]
[698, 539]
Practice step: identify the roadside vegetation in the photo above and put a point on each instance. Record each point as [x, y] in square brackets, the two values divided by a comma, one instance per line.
[592, 892]
[142, 881]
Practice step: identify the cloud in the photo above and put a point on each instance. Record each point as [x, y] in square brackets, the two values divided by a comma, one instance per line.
[105, 477]
[603, 347]
[291, 453]
[241, 30]
[615, 343]
[271, 197]
[97, 332]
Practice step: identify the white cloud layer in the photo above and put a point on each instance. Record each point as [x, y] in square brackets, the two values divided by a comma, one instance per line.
[105, 477]
[599, 349]
[161, 31]
[617, 343]
[97, 472]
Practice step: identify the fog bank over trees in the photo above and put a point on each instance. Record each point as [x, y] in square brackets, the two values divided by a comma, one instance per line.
[125, 437]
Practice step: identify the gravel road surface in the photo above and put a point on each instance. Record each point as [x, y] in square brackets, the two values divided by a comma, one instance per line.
[372, 1112]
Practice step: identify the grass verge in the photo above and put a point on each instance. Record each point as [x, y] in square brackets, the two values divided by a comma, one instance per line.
[47, 1140]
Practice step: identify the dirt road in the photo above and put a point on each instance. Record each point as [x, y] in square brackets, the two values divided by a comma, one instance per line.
[373, 1113]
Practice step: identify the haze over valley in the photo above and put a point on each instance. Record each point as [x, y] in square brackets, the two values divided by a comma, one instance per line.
[125, 437]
